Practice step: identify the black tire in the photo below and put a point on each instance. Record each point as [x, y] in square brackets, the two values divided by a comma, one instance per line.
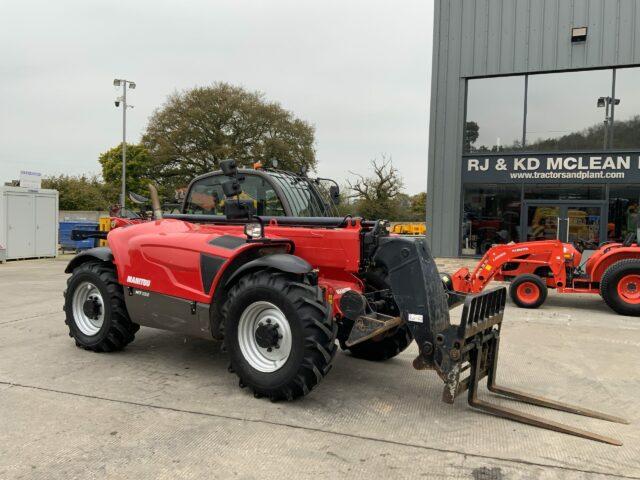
[610, 283]
[528, 291]
[386, 346]
[313, 333]
[117, 329]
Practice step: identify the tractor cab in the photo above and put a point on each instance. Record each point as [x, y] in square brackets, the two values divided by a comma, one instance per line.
[262, 192]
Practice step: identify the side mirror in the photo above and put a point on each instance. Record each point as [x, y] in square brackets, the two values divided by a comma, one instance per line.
[334, 194]
[231, 188]
[229, 167]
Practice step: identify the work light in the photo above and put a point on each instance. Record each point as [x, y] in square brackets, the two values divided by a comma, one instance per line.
[253, 230]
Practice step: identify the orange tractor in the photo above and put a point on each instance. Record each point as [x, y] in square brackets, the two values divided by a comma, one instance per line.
[612, 271]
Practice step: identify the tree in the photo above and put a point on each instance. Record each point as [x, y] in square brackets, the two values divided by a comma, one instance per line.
[419, 207]
[378, 196]
[79, 192]
[140, 169]
[471, 133]
[196, 129]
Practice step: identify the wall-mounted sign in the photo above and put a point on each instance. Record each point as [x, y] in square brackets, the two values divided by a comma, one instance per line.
[606, 167]
[31, 180]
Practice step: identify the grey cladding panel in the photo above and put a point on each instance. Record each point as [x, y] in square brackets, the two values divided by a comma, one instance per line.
[481, 37]
[550, 35]
[494, 36]
[563, 43]
[508, 34]
[521, 37]
[467, 30]
[636, 34]
[536, 31]
[580, 19]
[628, 33]
[594, 44]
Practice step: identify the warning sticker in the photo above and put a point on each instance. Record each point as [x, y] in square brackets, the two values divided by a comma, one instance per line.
[415, 317]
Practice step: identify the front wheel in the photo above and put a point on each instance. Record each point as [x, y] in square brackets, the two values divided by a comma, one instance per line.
[279, 334]
[95, 310]
[528, 291]
[620, 287]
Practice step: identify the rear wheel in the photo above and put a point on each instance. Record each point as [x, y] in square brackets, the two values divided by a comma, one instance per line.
[388, 344]
[279, 334]
[620, 287]
[528, 291]
[95, 310]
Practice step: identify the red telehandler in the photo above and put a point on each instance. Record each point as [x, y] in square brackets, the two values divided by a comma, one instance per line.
[613, 271]
[279, 289]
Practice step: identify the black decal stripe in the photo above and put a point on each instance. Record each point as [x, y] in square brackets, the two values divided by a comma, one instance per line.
[229, 242]
[209, 267]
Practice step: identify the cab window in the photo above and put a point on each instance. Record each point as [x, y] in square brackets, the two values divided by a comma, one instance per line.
[207, 198]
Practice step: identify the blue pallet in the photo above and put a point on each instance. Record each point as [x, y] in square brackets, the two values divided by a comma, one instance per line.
[64, 235]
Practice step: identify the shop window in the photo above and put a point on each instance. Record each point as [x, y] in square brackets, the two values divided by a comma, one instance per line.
[495, 112]
[623, 211]
[625, 133]
[564, 192]
[563, 111]
[491, 216]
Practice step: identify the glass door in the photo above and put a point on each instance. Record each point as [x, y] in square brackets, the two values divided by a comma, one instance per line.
[567, 222]
[582, 225]
[542, 221]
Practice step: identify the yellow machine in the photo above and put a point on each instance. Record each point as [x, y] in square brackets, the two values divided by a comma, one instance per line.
[412, 228]
[104, 225]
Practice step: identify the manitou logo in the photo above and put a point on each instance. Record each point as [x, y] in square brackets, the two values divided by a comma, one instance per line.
[143, 282]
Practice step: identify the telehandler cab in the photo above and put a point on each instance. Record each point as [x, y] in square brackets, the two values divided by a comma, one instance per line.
[244, 265]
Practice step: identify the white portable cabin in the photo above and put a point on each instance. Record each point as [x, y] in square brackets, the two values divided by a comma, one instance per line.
[28, 222]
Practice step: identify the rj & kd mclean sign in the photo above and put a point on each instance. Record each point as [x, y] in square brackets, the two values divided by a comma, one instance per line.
[552, 168]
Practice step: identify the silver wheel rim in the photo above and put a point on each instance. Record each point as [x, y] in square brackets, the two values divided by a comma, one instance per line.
[87, 325]
[260, 358]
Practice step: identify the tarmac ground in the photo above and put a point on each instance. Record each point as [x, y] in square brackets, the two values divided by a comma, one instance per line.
[166, 406]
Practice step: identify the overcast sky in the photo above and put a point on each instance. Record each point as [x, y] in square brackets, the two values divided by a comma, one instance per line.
[357, 70]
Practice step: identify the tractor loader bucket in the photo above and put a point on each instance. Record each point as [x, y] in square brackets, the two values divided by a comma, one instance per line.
[471, 346]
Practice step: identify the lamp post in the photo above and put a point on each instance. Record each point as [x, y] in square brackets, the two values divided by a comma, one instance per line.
[123, 99]
[605, 102]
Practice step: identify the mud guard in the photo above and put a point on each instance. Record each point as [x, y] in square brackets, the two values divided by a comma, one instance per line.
[99, 253]
[285, 262]
[417, 289]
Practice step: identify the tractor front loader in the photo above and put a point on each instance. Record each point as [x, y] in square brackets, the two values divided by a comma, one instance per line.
[279, 290]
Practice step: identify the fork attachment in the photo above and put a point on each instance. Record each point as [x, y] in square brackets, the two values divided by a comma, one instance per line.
[424, 299]
[473, 346]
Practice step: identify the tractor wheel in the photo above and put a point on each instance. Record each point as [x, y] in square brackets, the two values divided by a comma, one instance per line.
[620, 287]
[279, 334]
[385, 346]
[528, 291]
[95, 310]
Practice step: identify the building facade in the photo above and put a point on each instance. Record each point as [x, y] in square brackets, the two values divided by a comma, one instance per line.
[535, 123]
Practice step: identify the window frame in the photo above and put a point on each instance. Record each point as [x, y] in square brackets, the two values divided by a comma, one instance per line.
[526, 75]
[247, 173]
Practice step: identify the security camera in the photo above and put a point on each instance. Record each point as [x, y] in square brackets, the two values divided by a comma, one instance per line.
[117, 102]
